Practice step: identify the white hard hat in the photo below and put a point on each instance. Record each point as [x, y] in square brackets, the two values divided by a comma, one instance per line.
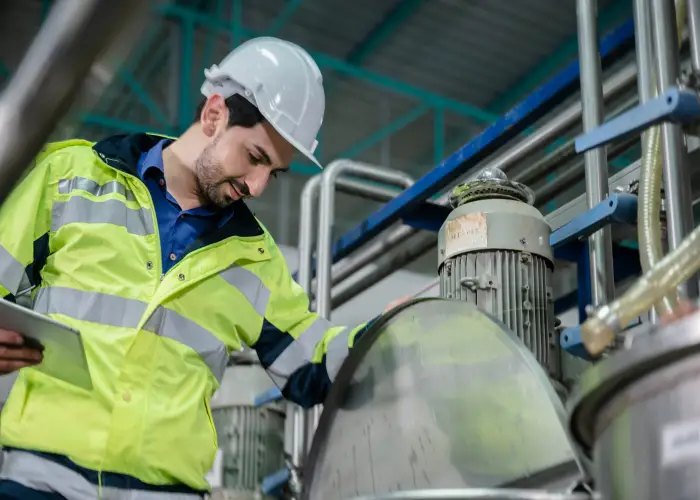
[282, 80]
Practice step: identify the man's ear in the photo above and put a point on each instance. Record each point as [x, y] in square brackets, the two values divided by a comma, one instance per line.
[214, 114]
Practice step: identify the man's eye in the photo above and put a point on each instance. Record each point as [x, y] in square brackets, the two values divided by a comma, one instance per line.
[254, 159]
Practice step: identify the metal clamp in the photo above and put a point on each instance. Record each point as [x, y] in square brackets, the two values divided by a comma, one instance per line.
[570, 341]
[676, 105]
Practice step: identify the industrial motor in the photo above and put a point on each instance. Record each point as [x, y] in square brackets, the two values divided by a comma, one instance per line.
[250, 438]
[494, 251]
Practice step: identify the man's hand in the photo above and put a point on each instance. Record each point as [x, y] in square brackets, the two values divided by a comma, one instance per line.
[396, 303]
[14, 354]
[683, 309]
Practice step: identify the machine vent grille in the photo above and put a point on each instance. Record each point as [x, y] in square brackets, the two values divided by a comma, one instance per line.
[514, 287]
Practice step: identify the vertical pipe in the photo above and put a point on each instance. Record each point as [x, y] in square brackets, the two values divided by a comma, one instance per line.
[324, 250]
[307, 218]
[694, 32]
[646, 87]
[644, 41]
[675, 168]
[600, 249]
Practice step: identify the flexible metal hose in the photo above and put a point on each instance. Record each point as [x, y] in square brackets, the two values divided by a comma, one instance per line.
[678, 266]
[649, 202]
[660, 276]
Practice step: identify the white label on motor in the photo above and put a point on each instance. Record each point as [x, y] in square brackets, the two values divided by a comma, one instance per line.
[680, 442]
[215, 476]
[465, 233]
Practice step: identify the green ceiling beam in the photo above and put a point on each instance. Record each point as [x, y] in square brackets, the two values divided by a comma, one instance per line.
[608, 18]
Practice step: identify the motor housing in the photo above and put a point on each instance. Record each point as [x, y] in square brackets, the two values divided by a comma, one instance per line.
[494, 251]
[250, 438]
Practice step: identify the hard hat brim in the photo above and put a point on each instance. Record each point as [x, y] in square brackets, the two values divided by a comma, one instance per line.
[293, 142]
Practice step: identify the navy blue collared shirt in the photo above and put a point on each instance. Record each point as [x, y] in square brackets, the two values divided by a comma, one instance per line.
[178, 228]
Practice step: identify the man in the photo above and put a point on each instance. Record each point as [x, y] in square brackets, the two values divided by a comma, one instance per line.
[146, 246]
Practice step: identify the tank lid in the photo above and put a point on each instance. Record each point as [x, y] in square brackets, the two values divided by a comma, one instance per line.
[491, 183]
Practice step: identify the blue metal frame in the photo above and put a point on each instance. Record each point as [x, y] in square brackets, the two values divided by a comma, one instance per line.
[512, 123]
[675, 105]
[272, 485]
[619, 207]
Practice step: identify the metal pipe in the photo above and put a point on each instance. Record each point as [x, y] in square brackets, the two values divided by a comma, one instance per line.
[613, 88]
[324, 250]
[675, 166]
[398, 258]
[303, 419]
[575, 173]
[561, 123]
[596, 165]
[367, 191]
[356, 261]
[694, 32]
[548, 164]
[646, 70]
[324, 257]
[644, 50]
[51, 74]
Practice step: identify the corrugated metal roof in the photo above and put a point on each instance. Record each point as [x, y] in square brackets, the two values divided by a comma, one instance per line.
[470, 51]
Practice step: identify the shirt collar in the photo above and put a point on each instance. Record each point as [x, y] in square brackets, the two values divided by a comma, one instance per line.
[153, 159]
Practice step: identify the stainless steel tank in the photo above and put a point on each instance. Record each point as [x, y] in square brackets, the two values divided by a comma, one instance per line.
[494, 251]
[438, 394]
[637, 415]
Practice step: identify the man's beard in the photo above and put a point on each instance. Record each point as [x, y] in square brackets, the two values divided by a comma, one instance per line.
[212, 184]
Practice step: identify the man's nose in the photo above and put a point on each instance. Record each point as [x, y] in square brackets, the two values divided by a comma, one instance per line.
[258, 182]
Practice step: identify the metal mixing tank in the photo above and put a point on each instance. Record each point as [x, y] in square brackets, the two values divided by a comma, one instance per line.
[637, 414]
[438, 394]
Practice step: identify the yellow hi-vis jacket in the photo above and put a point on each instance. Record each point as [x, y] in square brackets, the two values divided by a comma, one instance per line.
[81, 228]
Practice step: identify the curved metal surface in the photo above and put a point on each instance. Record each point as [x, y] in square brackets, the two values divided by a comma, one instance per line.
[479, 494]
[638, 410]
[51, 75]
[643, 353]
[437, 394]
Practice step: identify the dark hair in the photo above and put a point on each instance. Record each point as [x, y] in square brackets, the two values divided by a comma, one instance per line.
[241, 113]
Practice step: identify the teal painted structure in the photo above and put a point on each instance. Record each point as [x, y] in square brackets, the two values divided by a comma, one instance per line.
[188, 19]
[224, 17]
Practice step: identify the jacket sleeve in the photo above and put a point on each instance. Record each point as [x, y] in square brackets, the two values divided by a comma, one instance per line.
[301, 351]
[25, 222]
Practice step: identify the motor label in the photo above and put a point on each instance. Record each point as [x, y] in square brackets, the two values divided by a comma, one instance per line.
[466, 233]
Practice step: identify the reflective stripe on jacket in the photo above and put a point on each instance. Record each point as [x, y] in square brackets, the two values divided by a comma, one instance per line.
[81, 229]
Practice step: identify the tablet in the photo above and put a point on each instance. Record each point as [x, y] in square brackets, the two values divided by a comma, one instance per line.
[64, 354]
